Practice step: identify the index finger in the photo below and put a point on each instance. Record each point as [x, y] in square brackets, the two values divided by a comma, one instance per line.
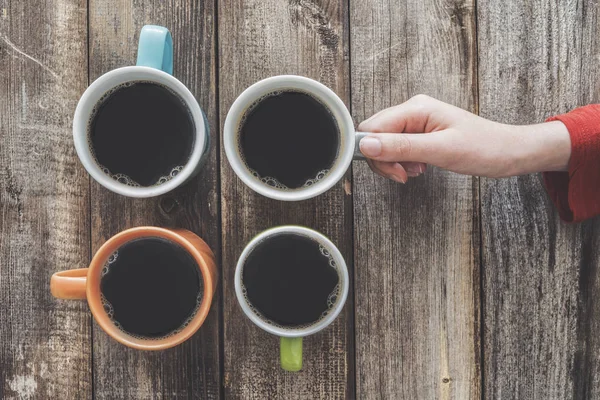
[408, 117]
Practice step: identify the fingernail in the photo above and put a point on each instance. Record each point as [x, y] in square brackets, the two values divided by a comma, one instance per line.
[413, 174]
[396, 179]
[370, 146]
[415, 169]
[398, 166]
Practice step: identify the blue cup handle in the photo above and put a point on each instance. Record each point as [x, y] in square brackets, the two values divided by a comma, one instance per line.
[155, 48]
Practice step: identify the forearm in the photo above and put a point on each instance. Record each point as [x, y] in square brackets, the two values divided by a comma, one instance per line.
[542, 147]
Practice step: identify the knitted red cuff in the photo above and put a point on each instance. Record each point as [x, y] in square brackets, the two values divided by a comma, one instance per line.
[576, 193]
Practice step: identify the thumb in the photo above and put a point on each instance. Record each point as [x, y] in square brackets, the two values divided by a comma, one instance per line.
[427, 148]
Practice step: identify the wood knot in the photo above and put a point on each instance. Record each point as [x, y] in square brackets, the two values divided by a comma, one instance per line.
[460, 13]
[446, 380]
[313, 16]
[169, 205]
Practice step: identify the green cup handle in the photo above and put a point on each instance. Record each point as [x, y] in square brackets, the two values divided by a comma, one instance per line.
[291, 353]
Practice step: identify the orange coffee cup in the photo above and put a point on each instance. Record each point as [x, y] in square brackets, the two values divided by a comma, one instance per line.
[84, 283]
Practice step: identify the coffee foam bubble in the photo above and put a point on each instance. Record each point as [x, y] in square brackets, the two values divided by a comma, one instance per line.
[111, 260]
[120, 177]
[274, 183]
[269, 180]
[110, 312]
[332, 299]
[125, 180]
[108, 308]
[164, 179]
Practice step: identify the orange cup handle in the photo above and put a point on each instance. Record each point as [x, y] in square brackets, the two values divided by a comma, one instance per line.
[69, 284]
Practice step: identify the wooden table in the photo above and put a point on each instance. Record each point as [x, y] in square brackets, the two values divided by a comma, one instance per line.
[462, 287]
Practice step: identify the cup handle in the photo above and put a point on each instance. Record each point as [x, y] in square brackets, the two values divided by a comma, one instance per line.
[155, 48]
[69, 284]
[291, 353]
[357, 154]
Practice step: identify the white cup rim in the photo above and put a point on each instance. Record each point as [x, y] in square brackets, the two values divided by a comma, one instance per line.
[112, 79]
[342, 269]
[327, 97]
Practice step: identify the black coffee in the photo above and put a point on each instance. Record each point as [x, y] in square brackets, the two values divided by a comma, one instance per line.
[289, 139]
[141, 133]
[289, 280]
[151, 287]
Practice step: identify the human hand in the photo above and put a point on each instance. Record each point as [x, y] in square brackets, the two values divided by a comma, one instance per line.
[407, 137]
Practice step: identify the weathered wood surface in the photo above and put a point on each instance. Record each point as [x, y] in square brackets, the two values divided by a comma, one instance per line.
[45, 346]
[540, 276]
[258, 39]
[416, 245]
[191, 370]
[431, 315]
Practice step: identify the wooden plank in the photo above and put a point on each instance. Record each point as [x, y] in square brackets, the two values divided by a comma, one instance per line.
[190, 370]
[258, 39]
[540, 281]
[416, 245]
[45, 345]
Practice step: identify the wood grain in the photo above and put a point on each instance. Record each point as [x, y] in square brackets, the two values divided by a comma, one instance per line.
[258, 39]
[192, 369]
[540, 277]
[45, 347]
[417, 290]
[416, 245]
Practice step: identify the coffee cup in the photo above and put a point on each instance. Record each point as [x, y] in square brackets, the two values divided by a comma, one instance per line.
[148, 288]
[292, 282]
[138, 130]
[313, 126]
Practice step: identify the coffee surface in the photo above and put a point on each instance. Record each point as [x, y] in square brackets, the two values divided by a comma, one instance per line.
[141, 133]
[289, 279]
[151, 287]
[289, 139]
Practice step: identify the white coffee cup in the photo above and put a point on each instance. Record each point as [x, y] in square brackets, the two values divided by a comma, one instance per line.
[291, 338]
[349, 138]
[154, 64]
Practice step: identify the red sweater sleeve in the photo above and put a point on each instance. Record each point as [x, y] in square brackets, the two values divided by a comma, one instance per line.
[576, 192]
